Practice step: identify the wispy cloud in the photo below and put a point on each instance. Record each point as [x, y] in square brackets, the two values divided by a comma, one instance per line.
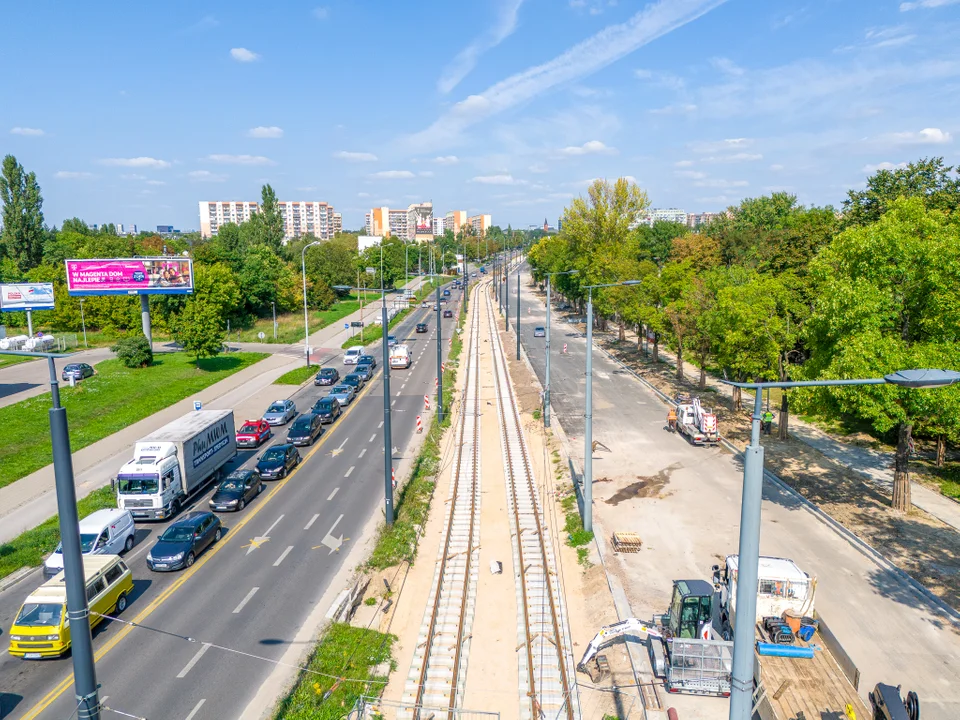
[446, 160]
[156, 182]
[871, 169]
[502, 28]
[29, 132]
[720, 183]
[355, 156]
[928, 4]
[882, 37]
[683, 163]
[538, 168]
[243, 55]
[589, 56]
[735, 157]
[425, 173]
[271, 132]
[72, 175]
[136, 162]
[727, 66]
[927, 136]
[393, 175]
[205, 176]
[321, 13]
[690, 174]
[240, 159]
[591, 147]
[681, 109]
[207, 22]
[505, 179]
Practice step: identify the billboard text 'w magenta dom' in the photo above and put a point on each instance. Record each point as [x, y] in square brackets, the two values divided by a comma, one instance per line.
[130, 276]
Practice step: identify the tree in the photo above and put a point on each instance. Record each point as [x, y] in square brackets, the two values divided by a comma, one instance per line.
[134, 352]
[23, 232]
[929, 179]
[888, 298]
[199, 329]
[266, 226]
[217, 286]
[655, 241]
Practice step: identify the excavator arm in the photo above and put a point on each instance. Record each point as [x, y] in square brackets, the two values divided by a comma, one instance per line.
[609, 633]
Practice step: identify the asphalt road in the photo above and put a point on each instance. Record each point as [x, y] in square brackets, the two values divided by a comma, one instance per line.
[252, 591]
[892, 633]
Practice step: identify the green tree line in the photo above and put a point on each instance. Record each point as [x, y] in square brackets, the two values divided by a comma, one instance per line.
[774, 290]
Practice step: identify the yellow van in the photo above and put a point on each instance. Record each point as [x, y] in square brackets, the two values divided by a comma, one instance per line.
[42, 628]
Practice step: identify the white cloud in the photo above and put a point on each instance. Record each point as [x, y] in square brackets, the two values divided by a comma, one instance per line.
[393, 175]
[132, 176]
[735, 157]
[270, 132]
[321, 13]
[207, 22]
[631, 179]
[681, 109]
[720, 183]
[243, 55]
[927, 136]
[156, 182]
[502, 28]
[907, 6]
[355, 156]
[692, 174]
[504, 179]
[136, 162]
[719, 146]
[205, 176]
[683, 163]
[29, 132]
[72, 175]
[425, 173]
[726, 66]
[666, 80]
[591, 147]
[446, 160]
[240, 159]
[363, 194]
[585, 58]
[871, 169]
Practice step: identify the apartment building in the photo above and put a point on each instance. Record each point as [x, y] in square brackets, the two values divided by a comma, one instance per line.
[413, 223]
[454, 220]
[438, 223]
[480, 224]
[698, 219]
[299, 217]
[214, 214]
[337, 223]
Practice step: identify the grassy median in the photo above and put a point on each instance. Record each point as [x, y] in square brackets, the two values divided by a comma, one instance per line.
[297, 376]
[113, 399]
[30, 548]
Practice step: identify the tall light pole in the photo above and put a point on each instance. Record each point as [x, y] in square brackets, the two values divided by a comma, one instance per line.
[748, 561]
[518, 313]
[588, 410]
[306, 319]
[546, 389]
[506, 298]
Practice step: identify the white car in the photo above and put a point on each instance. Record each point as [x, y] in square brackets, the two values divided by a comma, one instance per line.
[352, 355]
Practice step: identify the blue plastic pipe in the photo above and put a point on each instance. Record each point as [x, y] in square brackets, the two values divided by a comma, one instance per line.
[784, 650]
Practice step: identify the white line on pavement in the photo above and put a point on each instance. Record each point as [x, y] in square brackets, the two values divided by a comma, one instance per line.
[283, 555]
[392, 403]
[275, 522]
[196, 658]
[362, 453]
[343, 443]
[312, 521]
[347, 474]
[380, 425]
[373, 437]
[196, 709]
[247, 599]
[335, 491]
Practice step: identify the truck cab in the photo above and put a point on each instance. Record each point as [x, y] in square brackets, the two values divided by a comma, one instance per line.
[781, 586]
[149, 485]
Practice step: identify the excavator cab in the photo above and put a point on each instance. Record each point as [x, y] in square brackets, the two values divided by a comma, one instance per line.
[691, 609]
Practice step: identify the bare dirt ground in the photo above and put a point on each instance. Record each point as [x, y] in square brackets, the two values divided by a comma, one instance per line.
[918, 543]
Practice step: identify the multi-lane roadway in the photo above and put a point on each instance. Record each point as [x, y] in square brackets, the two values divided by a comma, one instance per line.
[253, 590]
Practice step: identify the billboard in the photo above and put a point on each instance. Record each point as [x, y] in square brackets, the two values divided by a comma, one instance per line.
[130, 276]
[26, 296]
[424, 220]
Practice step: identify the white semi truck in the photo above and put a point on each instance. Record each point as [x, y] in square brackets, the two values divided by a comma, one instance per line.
[173, 463]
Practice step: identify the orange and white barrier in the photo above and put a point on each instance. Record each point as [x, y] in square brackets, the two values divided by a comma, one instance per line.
[419, 425]
[426, 402]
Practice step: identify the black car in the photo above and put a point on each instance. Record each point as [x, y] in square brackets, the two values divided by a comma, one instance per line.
[276, 462]
[236, 490]
[327, 409]
[184, 540]
[421, 327]
[327, 376]
[448, 313]
[355, 380]
[305, 429]
[365, 371]
[77, 371]
[367, 360]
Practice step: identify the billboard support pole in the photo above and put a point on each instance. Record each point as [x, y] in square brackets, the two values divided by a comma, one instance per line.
[145, 318]
[29, 323]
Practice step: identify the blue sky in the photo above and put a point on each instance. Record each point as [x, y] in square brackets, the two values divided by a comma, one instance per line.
[132, 113]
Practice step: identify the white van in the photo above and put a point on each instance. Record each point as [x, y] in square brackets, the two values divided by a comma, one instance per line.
[353, 354]
[105, 532]
[399, 357]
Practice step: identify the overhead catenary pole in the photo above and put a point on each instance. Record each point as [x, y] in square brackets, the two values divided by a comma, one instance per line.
[306, 319]
[588, 424]
[387, 429]
[518, 313]
[439, 355]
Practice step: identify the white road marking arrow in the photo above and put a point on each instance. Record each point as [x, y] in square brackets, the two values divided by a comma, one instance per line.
[330, 541]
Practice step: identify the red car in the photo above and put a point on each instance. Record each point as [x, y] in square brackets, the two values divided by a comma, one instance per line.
[253, 433]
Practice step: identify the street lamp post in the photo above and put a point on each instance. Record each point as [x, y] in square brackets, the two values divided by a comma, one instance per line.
[588, 410]
[748, 561]
[546, 389]
[306, 319]
[518, 313]
[506, 298]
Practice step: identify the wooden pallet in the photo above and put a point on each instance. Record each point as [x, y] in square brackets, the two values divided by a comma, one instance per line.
[626, 542]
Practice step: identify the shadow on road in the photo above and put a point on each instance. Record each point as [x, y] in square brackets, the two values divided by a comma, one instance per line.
[8, 389]
[8, 702]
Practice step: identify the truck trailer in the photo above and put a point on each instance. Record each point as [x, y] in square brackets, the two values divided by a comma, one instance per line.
[175, 462]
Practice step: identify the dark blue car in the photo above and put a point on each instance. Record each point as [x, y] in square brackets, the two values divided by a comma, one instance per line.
[184, 540]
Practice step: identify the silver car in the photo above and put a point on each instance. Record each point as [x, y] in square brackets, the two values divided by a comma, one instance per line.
[280, 412]
[343, 394]
[539, 332]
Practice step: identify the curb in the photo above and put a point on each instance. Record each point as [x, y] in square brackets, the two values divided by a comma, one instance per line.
[16, 576]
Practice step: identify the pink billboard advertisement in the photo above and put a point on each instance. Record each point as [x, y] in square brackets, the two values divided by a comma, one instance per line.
[133, 276]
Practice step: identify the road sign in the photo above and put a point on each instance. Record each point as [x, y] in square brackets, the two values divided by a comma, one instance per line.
[346, 326]
[261, 335]
[371, 271]
[197, 405]
[356, 323]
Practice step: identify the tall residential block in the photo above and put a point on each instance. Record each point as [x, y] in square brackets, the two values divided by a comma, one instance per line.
[480, 224]
[413, 223]
[454, 220]
[300, 217]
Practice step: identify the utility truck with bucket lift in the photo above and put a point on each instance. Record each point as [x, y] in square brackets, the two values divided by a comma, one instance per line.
[697, 423]
[175, 462]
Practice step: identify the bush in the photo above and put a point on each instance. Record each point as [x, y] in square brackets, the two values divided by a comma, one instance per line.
[134, 352]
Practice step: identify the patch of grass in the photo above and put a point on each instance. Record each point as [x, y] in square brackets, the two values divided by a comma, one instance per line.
[537, 415]
[290, 325]
[340, 670]
[577, 537]
[114, 398]
[8, 360]
[297, 376]
[370, 601]
[30, 548]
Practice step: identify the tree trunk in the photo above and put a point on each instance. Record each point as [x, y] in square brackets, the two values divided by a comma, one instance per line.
[639, 338]
[784, 416]
[941, 450]
[703, 377]
[901, 471]
[680, 361]
[623, 329]
[737, 399]
[656, 348]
